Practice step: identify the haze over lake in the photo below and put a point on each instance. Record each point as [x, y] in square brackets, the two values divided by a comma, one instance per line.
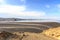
[37, 21]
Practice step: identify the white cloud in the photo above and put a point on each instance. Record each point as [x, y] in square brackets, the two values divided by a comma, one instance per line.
[23, 1]
[13, 10]
[32, 14]
[58, 5]
[47, 6]
[2, 2]
[18, 10]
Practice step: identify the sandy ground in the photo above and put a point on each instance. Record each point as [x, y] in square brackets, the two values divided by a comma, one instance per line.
[34, 36]
[53, 32]
[33, 29]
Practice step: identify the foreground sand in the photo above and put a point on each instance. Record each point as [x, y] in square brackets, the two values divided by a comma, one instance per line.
[34, 36]
[23, 36]
[53, 32]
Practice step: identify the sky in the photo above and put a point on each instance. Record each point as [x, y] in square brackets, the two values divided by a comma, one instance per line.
[30, 9]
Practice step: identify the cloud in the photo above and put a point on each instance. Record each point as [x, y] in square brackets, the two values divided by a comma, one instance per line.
[32, 14]
[23, 1]
[11, 8]
[47, 6]
[58, 5]
[19, 11]
[2, 2]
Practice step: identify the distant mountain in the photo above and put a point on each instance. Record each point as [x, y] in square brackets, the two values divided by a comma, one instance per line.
[14, 19]
[9, 19]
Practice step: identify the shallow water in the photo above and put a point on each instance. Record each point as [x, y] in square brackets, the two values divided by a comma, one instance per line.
[37, 21]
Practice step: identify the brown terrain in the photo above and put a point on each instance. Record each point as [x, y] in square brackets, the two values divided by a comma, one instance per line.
[28, 30]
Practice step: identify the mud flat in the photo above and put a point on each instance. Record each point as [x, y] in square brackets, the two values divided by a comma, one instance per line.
[27, 26]
[33, 29]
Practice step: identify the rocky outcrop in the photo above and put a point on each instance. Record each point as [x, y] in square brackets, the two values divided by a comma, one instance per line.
[8, 36]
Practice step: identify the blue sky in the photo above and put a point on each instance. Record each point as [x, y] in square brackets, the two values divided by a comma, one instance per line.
[35, 9]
